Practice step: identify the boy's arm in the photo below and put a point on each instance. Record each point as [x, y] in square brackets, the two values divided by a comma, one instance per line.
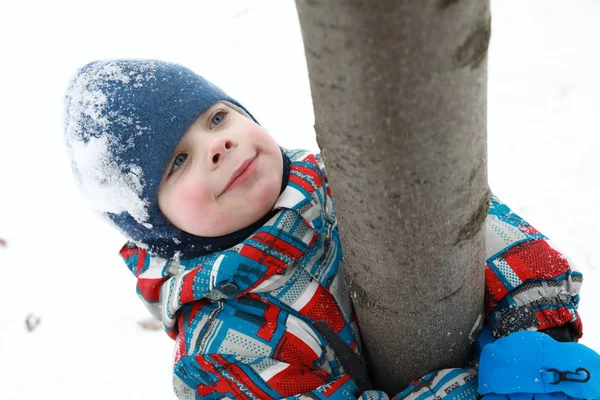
[203, 377]
[219, 376]
[531, 302]
[529, 284]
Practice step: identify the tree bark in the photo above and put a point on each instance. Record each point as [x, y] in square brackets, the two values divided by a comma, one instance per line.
[399, 92]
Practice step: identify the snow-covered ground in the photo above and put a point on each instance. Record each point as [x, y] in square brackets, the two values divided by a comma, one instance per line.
[61, 263]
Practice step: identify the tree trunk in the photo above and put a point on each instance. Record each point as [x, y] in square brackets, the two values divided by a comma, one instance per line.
[399, 91]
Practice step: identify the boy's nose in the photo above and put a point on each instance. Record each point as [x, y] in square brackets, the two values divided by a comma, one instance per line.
[219, 148]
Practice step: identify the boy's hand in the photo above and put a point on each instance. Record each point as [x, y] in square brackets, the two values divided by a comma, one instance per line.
[533, 365]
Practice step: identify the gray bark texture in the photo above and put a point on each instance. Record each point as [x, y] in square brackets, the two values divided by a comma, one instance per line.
[400, 90]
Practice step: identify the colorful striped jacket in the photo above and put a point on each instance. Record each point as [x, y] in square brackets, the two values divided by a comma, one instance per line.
[243, 318]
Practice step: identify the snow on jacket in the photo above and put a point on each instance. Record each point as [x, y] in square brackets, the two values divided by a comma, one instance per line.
[243, 318]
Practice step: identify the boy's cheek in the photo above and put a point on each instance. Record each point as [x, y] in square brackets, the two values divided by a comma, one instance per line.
[193, 196]
[260, 135]
[190, 205]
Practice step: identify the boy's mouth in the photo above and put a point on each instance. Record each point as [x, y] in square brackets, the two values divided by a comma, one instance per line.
[241, 175]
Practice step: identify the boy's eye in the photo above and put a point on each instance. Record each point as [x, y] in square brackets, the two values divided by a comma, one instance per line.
[217, 119]
[178, 161]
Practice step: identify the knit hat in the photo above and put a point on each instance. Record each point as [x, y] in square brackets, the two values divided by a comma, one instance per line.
[124, 119]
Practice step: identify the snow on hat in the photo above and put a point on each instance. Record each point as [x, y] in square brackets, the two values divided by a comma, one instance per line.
[124, 119]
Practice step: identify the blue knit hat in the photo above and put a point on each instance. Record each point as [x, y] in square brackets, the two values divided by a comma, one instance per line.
[124, 119]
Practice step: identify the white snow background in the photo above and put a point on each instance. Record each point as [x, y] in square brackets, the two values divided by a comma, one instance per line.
[61, 262]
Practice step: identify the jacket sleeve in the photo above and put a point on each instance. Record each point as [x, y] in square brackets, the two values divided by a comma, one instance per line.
[217, 376]
[530, 285]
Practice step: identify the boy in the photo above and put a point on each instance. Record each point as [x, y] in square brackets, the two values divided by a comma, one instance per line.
[236, 249]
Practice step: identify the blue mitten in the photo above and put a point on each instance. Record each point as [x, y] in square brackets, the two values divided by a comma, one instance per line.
[527, 365]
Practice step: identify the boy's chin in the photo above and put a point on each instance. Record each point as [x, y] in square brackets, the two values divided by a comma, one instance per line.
[240, 212]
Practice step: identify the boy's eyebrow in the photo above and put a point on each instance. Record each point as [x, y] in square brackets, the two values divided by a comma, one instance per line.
[218, 104]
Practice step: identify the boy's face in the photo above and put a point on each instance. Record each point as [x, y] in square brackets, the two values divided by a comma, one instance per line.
[224, 175]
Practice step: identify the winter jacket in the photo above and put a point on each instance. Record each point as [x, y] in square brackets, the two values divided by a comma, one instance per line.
[248, 321]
